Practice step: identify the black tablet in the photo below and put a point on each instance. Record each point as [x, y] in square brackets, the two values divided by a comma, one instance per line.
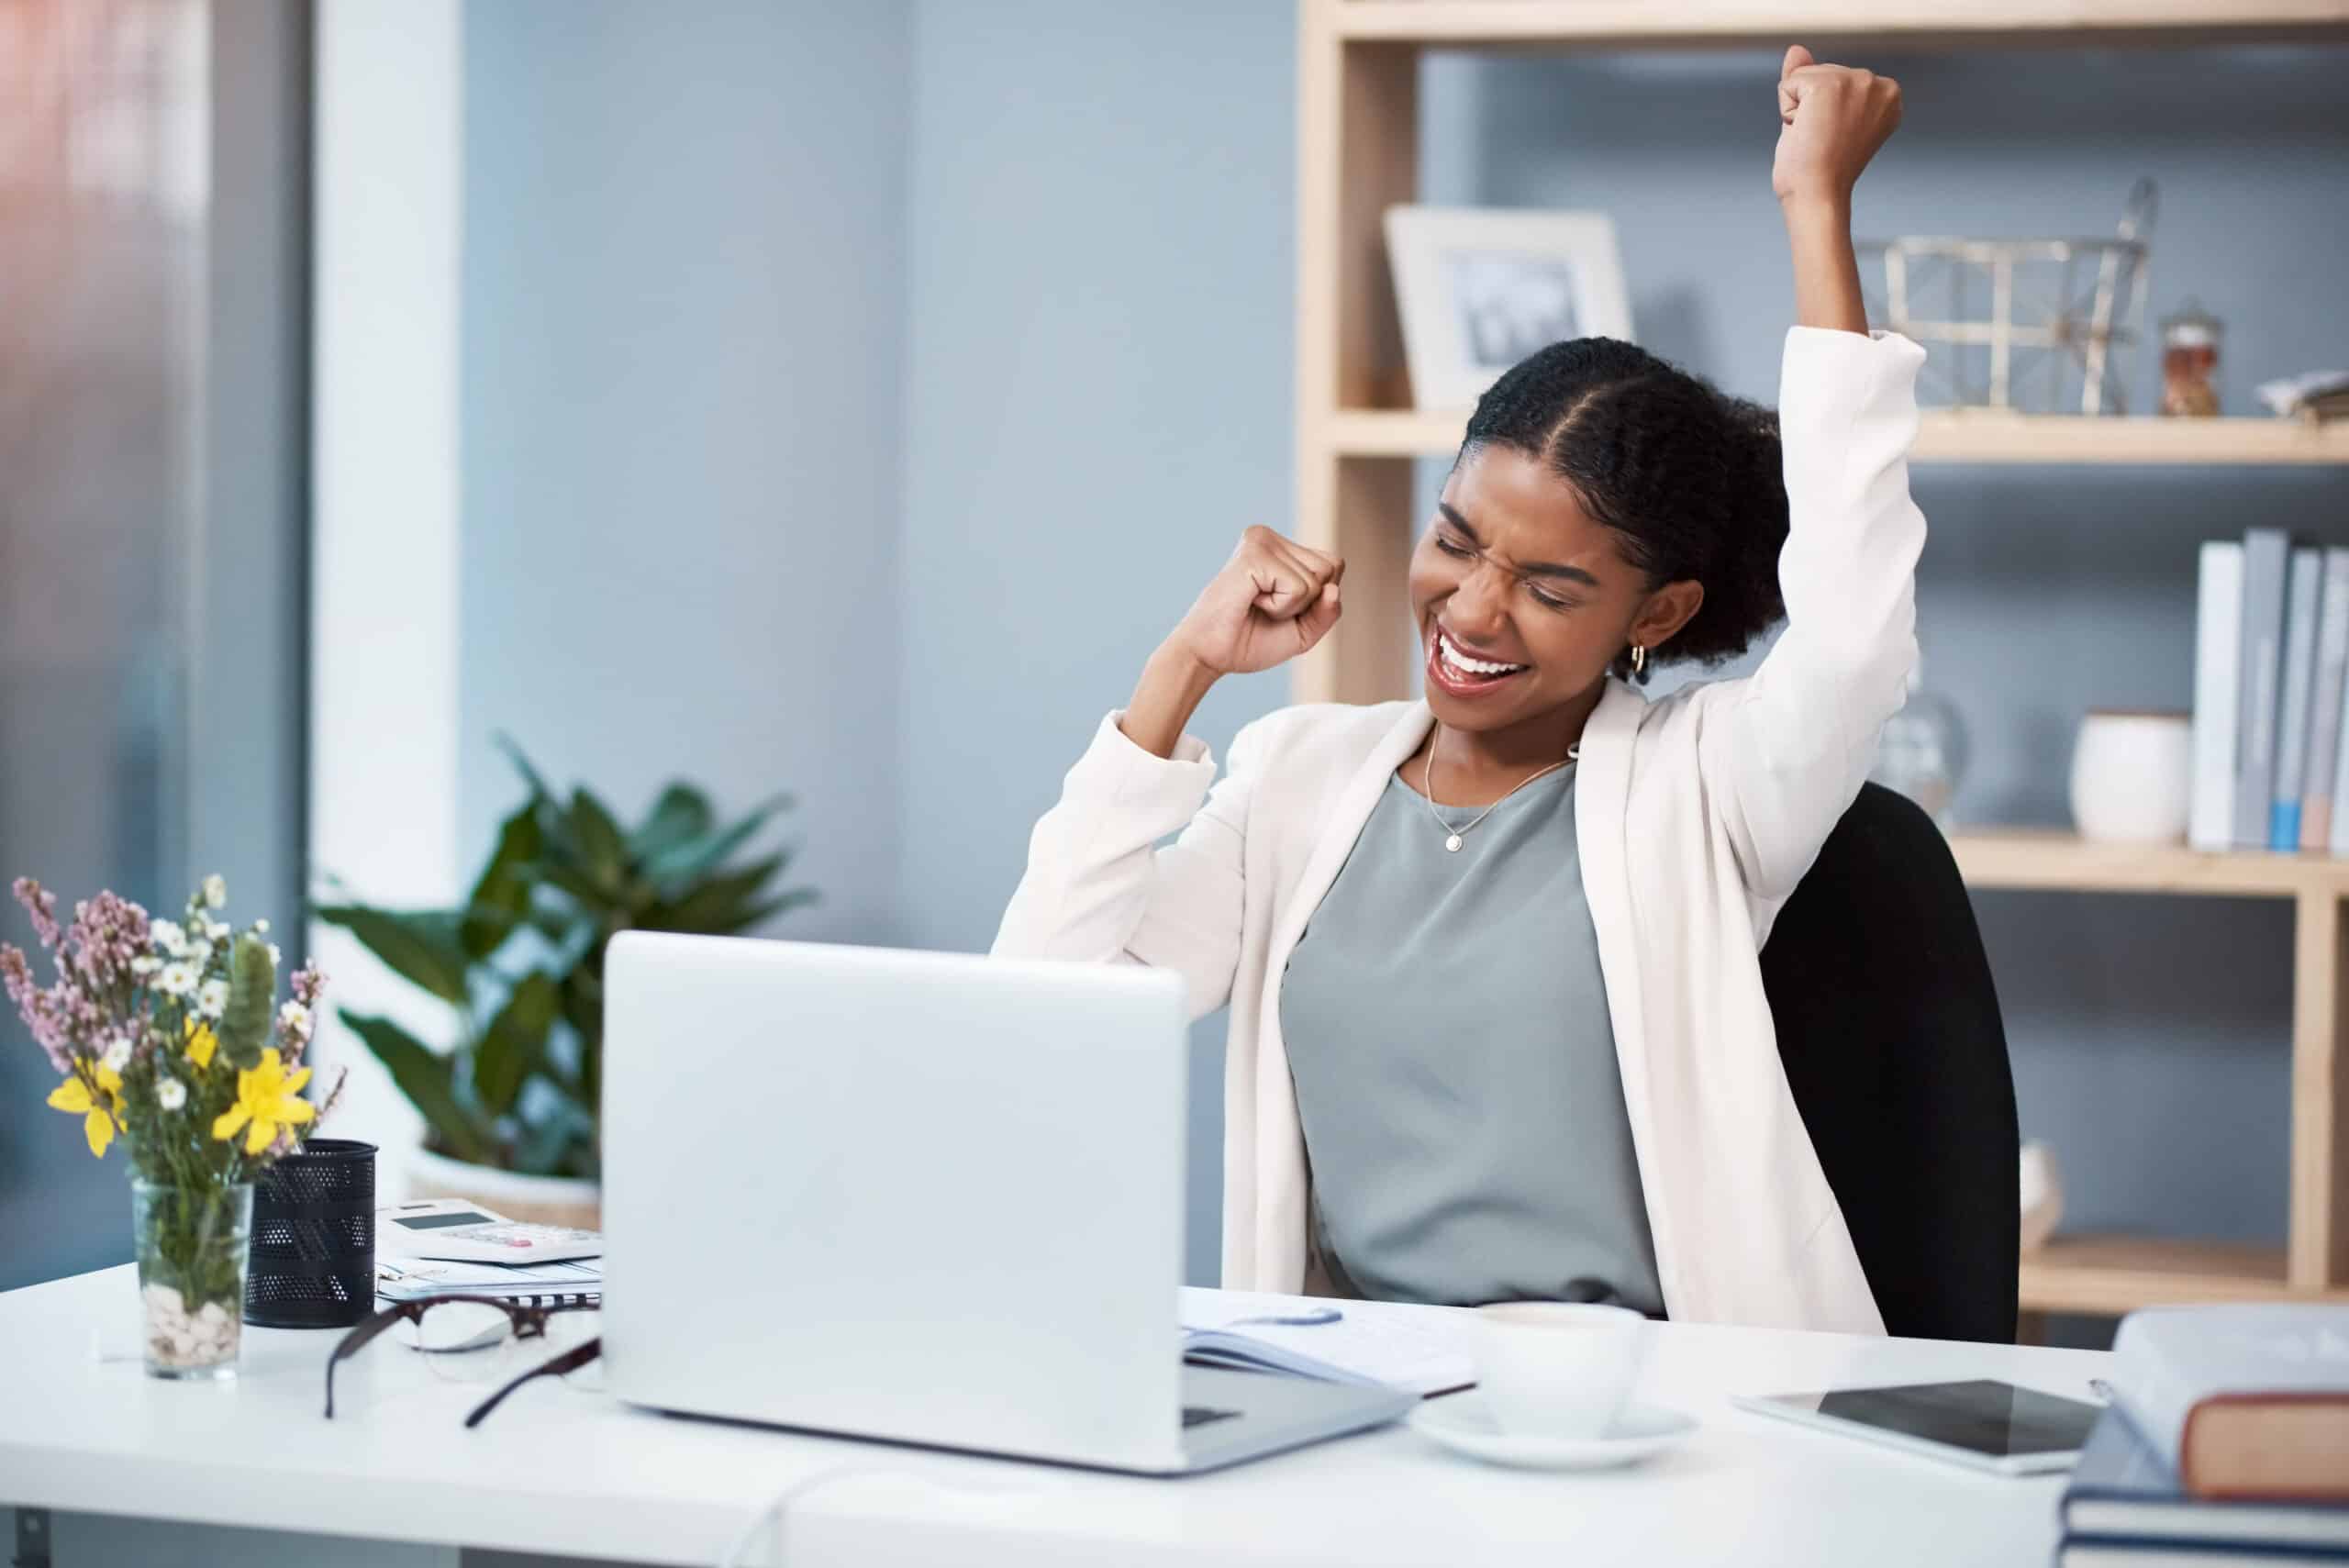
[1989, 1425]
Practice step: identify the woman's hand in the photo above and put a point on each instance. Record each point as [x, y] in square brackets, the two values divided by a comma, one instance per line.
[1272, 600]
[1831, 121]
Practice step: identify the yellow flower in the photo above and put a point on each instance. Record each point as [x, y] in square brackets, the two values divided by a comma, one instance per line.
[200, 1043]
[98, 1121]
[268, 1099]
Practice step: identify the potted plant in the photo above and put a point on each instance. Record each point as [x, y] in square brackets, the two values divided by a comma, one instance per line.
[511, 1110]
[167, 1034]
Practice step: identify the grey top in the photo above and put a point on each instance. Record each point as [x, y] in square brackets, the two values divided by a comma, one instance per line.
[1448, 1033]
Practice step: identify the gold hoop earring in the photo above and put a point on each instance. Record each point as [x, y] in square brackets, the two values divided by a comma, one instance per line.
[1639, 658]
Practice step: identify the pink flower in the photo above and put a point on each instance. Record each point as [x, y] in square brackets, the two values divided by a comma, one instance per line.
[41, 904]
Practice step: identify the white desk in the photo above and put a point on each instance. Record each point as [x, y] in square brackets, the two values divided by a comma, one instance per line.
[557, 1470]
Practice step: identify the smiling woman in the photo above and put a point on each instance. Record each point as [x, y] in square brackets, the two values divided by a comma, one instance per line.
[1525, 1053]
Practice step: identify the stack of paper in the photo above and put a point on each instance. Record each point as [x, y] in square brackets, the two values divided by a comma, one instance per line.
[1366, 1345]
[405, 1279]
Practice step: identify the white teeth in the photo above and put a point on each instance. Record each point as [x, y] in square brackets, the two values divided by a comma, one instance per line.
[1463, 664]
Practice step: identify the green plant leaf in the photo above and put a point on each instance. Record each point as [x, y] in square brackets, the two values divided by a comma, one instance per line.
[252, 1002]
[539, 789]
[421, 945]
[515, 1043]
[503, 895]
[602, 849]
[677, 869]
[428, 1080]
[758, 914]
[715, 902]
[682, 812]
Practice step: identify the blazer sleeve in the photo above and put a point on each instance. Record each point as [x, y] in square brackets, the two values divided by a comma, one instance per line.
[1097, 888]
[1783, 751]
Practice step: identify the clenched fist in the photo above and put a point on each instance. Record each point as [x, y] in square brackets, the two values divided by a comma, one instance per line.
[1272, 600]
[1831, 119]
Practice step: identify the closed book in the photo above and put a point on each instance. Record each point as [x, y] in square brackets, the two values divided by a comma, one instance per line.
[2324, 708]
[2218, 663]
[2301, 599]
[2089, 1552]
[2265, 561]
[2120, 1489]
[2247, 1401]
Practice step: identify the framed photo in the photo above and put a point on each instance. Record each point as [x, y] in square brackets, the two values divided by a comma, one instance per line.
[1480, 288]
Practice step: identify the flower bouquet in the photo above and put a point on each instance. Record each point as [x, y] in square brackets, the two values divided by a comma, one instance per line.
[168, 1035]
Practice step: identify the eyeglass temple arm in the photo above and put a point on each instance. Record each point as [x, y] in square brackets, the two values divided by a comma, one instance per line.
[571, 1361]
[360, 1336]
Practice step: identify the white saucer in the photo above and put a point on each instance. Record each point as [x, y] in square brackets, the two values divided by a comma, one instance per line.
[1464, 1423]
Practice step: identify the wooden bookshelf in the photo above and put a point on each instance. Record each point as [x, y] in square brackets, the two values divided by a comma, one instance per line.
[1722, 23]
[2104, 1275]
[1358, 154]
[1956, 436]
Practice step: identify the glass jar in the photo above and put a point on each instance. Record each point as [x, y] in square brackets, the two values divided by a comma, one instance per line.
[2190, 362]
[1921, 753]
[191, 1244]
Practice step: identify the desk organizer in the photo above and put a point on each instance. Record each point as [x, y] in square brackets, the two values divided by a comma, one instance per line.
[313, 1263]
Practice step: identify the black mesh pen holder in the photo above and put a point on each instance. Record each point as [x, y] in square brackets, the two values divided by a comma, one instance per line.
[313, 1263]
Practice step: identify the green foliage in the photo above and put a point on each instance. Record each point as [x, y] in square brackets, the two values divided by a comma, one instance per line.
[522, 962]
[244, 1026]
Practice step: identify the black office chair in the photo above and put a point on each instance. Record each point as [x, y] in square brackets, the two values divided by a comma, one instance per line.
[1888, 1029]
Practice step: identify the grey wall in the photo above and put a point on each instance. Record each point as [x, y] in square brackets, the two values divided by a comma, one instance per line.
[1098, 380]
[1097, 393]
[684, 298]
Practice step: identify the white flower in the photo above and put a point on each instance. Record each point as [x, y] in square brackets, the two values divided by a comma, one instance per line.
[199, 956]
[145, 963]
[276, 959]
[295, 1017]
[167, 935]
[170, 1094]
[117, 1056]
[216, 891]
[212, 998]
[215, 930]
[177, 979]
[261, 927]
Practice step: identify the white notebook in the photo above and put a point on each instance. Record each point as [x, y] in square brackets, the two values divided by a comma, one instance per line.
[1376, 1344]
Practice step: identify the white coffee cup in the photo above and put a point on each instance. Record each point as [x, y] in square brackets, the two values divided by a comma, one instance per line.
[1557, 1369]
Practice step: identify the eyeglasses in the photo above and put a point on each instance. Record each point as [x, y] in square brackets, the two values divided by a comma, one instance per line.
[483, 1339]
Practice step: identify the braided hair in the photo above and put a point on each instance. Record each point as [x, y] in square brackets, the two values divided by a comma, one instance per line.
[1689, 479]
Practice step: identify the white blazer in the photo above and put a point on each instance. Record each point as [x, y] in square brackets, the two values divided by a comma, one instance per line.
[1696, 816]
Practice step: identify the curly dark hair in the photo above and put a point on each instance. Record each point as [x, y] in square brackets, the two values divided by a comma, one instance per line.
[1688, 478]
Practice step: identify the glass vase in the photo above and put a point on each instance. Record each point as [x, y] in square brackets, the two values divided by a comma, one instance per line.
[1922, 751]
[190, 1244]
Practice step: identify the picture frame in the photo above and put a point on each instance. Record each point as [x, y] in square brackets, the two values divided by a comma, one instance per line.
[1480, 288]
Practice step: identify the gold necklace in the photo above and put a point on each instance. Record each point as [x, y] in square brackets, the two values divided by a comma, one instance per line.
[1451, 834]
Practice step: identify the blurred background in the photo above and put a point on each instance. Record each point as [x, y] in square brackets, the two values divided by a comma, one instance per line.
[843, 401]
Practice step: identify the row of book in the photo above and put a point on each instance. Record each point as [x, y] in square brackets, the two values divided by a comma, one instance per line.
[2226, 1444]
[2271, 677]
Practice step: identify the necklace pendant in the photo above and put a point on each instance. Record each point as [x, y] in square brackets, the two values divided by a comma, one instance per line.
[1453, 844]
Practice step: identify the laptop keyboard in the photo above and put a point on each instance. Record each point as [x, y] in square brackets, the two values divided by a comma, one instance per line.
[1200, 1415]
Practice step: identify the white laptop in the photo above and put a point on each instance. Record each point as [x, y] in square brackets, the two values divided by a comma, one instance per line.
[927, 1197]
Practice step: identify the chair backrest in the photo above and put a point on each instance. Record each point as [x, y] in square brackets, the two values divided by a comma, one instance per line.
[1889, 1031]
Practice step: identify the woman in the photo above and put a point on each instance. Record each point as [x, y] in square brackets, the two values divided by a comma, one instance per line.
[1498, 1023]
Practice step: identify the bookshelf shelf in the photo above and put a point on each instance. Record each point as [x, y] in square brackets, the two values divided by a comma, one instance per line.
[1624, 23]
[2111, 1275]
[1955, 435]
[1358, 153]
[2055, 861]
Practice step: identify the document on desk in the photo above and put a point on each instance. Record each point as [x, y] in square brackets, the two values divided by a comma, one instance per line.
[1372, 1343]
[405, 1279]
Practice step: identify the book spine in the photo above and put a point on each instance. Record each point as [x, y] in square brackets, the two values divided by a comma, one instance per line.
[2218, 663]
[2324, 712]
[2264, 556]
[2292, 720]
